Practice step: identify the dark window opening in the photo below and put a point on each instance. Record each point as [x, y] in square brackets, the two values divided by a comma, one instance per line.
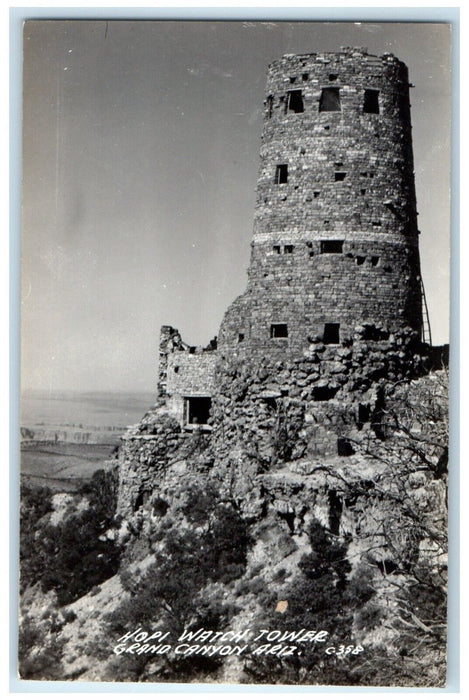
[376, 223]
[277, 249]
[330, 100]
[332, 246]
[331, 333]
[370, 332]
[198, 409]
[324, 393]
[339, 176]
[375, 260]
[288, 249]
[176, 370]
[270, 105]
[371, 102]
[335, 511]
[362, 192]
[278, 330]
[326, 128]
[363, 414]
[293, 79]
[344, 447]
[192, 350]
[316, 194]
[360, 259]
[305, 77]
[240, 337]
[142, 499]
[281, 174]
[332, 76]
[295, 101]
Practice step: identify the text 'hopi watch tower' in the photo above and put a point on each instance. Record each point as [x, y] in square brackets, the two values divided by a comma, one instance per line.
[335, 239]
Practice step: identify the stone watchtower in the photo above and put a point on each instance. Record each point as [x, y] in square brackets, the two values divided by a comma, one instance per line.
[335, 233]
[332, 312]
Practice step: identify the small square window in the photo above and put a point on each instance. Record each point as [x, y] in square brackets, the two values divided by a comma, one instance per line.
[304, 77]
[240, 337]
[375, 260]
[288, 249]
[339, 176]
[360, 259]
[278, 330]
[197, 409]
[331, 334]
[316, 194]
[277, 249]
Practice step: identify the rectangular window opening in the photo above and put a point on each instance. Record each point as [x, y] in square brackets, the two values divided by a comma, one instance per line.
[277, 249]
[281, 174]
[363, 413]
[375, 260]
[339, 176]
[198, 409]
[360, 259]
[344, 447]
[332, 246]
[331, 334]
[240, 337]
[288, 249]
[270, 105]
[371, 101]
[324, 393]
[316, 194]
[329, 100]
[295, 101]
[278, 330]
[304, 77]
[293, 79]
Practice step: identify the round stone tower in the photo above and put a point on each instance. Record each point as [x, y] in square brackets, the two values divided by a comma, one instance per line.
[335, 240]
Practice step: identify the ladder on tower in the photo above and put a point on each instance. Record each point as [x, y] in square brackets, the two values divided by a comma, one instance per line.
[426, 330]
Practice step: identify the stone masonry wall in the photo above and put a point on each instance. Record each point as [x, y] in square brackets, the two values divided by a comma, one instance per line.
[349, 185]
[184, 371]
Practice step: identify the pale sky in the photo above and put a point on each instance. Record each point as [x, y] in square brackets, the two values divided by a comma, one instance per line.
[141, 143]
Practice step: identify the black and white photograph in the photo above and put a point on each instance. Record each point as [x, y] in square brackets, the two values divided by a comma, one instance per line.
[235, 282]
